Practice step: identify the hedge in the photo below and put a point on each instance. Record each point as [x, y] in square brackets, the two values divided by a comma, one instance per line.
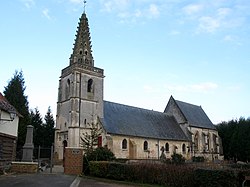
[150, 173]
[168, 174]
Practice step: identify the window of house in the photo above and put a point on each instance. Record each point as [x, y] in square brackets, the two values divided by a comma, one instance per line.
[183, 148]
[145, 146]
[124, 144]
[167, 147]
[90, 85]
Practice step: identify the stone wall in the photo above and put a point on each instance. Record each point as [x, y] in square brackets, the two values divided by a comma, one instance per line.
[135, 148]
[24, 167]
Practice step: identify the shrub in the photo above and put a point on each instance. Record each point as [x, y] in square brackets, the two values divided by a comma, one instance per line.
[198, 159]
[177, 158]
[171, 175]
[151, 173]
[98, 168]
[219, 178]
[98, 154]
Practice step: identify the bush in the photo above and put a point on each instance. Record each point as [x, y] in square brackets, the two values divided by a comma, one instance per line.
[98, 154]
[198, 159]
[98, 169]
[219, 178]
[177, 158]
[150, 173]
[170, 175]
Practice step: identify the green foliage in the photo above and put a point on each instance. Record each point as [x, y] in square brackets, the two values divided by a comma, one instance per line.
[98, 154]
[219, 178]
[234, 134]
[177, 158]
[98, 169]
[43, 134]
[150, 173]
[38, 130]
[168, 174]
[14, 93]
[198, 159]
[49, 128]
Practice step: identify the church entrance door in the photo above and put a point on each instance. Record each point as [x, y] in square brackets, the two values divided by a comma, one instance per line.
[132, 149]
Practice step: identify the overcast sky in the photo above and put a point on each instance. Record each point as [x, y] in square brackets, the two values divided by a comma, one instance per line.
[196, 51]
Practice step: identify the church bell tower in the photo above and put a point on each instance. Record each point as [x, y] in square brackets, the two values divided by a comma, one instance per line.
[80, 93]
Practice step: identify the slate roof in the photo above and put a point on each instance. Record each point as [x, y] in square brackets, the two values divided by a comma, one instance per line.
[132, 121]
[6, 106]
[195, 115]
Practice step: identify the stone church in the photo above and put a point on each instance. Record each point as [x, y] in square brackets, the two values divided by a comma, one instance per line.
[129, 132]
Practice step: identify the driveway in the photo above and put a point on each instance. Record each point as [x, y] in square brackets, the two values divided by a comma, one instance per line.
[54, 180]
[36, 180]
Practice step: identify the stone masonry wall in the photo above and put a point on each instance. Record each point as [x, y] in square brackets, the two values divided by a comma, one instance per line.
[24, 167]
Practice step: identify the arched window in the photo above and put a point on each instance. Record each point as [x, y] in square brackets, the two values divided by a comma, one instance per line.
[124, 144]
[145, 146]
[90, 85]
[183, 148]
[167, 147]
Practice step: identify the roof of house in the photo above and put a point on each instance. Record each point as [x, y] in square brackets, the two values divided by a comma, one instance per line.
[6, 106]
[132, 121]
[195, 115]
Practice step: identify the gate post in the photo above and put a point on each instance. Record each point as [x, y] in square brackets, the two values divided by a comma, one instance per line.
[51, 157]
[73, 160]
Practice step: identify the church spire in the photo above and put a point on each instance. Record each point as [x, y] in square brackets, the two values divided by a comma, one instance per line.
[82, 52]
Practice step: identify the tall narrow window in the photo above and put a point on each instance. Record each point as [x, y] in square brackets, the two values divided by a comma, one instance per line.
[124, 144]
[167, 147]
[183, 148]
[90, 85]
[145, 146]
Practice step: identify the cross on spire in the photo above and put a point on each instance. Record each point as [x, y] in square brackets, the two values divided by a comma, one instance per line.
[84, 2]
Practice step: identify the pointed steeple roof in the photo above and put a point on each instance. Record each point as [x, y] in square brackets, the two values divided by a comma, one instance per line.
[82, 52]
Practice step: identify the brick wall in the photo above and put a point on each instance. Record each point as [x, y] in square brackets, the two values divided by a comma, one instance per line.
[73, 161]
[24, 167]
